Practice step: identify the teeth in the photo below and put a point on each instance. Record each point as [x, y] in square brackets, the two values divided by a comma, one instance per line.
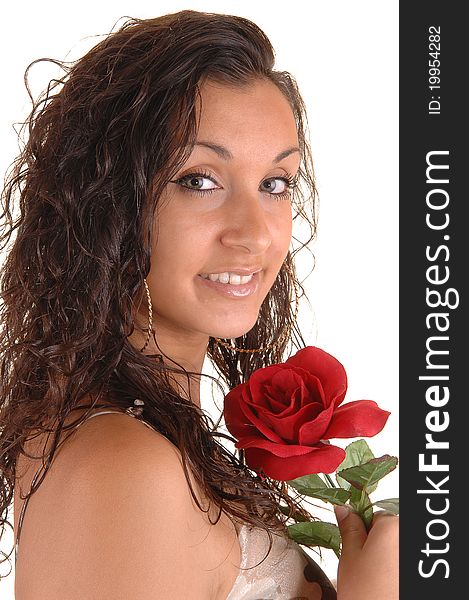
[231, 278]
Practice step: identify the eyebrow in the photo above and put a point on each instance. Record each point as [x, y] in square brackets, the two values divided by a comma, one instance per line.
[225, 154]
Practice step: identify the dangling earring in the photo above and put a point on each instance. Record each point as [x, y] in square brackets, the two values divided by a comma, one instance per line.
[150, 315]
[281, 338]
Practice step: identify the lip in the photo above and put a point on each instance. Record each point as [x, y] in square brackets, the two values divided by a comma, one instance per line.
[233, 291]
[236, 270]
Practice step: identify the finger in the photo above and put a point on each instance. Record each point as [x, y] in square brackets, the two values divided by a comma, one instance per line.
[352, 529]
[384, 514]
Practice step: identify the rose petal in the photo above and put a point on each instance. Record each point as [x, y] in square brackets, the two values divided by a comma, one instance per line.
[323, 458]
[281, 399]
[256, 383]
[281, 449]
[285, 378]
[312, 432]
[303, 387]
[279, 407]
[235, 419]
[327, 369]
[357, 418]
[272, 392]
[313, 390]
[283, 410]
[289, 427]
[280, 402]
[261, 425]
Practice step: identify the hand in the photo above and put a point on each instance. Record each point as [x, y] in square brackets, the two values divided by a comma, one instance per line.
[369, 563]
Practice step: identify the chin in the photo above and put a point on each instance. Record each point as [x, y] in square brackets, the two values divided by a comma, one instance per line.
[229, 335]
[234, 332]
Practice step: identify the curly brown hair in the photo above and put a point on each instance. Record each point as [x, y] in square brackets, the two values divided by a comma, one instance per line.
[102, 143]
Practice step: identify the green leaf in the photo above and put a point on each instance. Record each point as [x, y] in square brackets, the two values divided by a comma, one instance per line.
[297, 516]
[332, 495]
[314, 487]
[307, 482]
[356, 453]
[307, 486]
[366, 475]
[316, 533]
[390, 504]
[360, 502]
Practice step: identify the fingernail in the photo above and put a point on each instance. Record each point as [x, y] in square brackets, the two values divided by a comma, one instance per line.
[341, 512]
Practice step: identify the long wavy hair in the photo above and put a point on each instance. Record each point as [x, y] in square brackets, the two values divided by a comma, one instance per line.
[102, 143]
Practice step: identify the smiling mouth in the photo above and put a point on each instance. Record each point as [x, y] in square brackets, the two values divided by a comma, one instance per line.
[231, 285]
[228, 277]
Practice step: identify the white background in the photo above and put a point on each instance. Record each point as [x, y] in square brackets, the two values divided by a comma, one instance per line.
[344, 56]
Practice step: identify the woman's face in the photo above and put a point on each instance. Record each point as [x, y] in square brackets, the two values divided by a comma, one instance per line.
[223, 226]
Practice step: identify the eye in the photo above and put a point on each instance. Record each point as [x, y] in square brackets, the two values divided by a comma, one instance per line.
[274, 185]
[197, 182]
[278, 186]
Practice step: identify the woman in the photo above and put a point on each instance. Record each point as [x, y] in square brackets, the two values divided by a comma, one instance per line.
[158, 188]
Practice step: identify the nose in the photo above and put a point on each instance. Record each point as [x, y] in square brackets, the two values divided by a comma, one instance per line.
[246, 224]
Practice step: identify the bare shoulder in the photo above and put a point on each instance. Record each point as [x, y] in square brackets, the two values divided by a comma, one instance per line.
[115, 444]
[114, 518]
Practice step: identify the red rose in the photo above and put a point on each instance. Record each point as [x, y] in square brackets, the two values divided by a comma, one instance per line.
[283, 413]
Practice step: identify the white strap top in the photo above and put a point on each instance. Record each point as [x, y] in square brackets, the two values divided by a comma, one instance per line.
[288, 572]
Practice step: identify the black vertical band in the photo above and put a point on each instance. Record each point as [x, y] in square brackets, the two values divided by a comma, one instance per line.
[434, 238]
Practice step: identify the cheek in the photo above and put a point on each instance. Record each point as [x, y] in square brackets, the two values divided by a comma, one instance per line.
[172, 268]
[179, 251]
[282, 230]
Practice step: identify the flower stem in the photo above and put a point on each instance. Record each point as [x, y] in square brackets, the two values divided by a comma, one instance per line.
[329, 480]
